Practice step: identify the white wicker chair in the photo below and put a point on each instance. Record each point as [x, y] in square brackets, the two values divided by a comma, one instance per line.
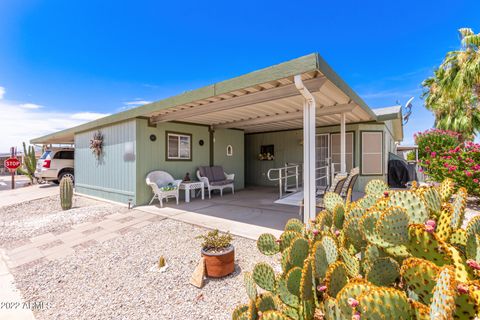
[225, 181]
[156, 179]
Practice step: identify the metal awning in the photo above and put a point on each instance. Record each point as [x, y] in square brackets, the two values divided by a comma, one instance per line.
[264, 100]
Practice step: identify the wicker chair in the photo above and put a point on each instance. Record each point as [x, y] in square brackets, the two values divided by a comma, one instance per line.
[159, 181]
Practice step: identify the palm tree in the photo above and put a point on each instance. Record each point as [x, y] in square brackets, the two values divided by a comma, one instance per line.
[453, 93]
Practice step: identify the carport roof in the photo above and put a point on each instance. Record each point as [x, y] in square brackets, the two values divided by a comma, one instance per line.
[275, 81]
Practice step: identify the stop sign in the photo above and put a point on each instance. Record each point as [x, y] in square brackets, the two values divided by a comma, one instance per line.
[12, 164]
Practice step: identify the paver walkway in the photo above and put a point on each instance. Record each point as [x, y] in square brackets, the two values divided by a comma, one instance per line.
[54, 246]
[19, 195]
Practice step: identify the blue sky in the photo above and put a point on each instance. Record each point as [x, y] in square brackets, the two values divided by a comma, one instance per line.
[65, 62]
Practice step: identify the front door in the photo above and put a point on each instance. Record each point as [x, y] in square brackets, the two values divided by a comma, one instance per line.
[322, 159]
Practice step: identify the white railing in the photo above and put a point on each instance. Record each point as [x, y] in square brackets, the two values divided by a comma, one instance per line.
[282, 176]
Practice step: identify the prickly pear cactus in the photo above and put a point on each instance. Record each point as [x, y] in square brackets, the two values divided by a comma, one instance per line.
[389, 255]
[66, 193]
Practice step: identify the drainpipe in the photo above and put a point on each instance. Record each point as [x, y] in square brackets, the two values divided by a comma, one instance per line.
[309, 185]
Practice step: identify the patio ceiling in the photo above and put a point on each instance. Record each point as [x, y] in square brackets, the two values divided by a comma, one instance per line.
[270, 106]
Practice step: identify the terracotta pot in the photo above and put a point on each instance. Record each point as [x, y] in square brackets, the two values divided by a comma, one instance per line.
[220, 264]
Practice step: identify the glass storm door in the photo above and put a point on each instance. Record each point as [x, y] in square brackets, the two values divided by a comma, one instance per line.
[322, 159]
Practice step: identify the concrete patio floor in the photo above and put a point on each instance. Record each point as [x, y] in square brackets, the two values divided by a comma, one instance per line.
[248, 213]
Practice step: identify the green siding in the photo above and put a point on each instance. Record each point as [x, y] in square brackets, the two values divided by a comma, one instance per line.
[236, 162]
[112, 176]
[151, 154]
[288, 148]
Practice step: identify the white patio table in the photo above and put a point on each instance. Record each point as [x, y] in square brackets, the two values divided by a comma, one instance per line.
[190, 187]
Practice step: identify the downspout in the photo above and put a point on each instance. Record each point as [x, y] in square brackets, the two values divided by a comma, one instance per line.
[309, 182]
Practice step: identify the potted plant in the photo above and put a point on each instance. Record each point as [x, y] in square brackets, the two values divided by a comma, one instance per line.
[219, 254]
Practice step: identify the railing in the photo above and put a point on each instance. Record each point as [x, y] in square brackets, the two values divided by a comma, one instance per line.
[325, 176]
[282, 176]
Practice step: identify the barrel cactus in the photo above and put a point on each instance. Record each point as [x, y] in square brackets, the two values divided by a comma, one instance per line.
[391, 255]
[66, 193]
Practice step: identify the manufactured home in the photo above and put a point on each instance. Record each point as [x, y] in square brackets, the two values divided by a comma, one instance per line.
[298, 114]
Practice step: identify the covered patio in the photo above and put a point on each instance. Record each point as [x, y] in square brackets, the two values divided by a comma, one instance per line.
[248, 213]
[303, 96]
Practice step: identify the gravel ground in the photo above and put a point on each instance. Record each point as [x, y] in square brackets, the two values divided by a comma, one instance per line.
[22, 221]
[114, 280]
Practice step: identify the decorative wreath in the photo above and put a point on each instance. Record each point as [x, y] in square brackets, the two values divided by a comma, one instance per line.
[96, 144]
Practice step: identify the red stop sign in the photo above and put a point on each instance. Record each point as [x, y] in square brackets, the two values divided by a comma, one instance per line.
[12, 163]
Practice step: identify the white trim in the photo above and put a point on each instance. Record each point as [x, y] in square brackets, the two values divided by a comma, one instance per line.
[179, 136]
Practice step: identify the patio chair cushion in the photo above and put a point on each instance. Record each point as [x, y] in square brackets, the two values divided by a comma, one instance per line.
[218, 173]
[206, 172]
[221, 183]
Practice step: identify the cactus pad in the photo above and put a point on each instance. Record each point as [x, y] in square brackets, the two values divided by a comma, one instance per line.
[351, 263]
[267, 244]
[336, 278]
[367, 225]
[351, 290]
[472, 249]
[250, 286]
[324, 220]
[420, 276]
[444, 229]
[355, 212]
[306, 282]
[264, 276]
[383, 271]
[294, 225]
[443, 295]
[416, 209]
[384, 303]
[426, 245]
[446, 189]
[285, 296]
[274, 315]
[432, 199]
[298, 251]
[419, 310]
[353, 233]
[265, 302]
[331, 199]
[376, 187]
[367, 201]
[459, 204]
[332, 311]
[240, 312]
[392, 226]
[331, 249]
[338, 215]
[293, 279]
[458, 238]
[285, 261]
[286, 239]
[320, 260]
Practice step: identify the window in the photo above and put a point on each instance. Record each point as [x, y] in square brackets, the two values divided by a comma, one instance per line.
[179, 146]
[372, 153]
[64, 155]
[335, 150]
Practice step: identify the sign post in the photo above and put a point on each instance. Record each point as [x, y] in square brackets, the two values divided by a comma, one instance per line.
[12, 165]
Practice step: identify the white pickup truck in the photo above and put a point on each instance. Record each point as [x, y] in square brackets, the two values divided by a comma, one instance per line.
[55, 164]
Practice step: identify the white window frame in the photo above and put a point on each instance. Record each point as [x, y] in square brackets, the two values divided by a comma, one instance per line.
[381, 152]
[179, 136]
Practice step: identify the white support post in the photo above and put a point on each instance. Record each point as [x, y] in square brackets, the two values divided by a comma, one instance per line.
[343, 162]
[309, 187]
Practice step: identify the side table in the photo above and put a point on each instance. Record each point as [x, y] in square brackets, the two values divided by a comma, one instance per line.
[190, 187]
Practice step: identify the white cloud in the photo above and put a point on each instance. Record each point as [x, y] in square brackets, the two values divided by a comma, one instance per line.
[2, 92]
[24, 121]
[136, 102]
[31, 106]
